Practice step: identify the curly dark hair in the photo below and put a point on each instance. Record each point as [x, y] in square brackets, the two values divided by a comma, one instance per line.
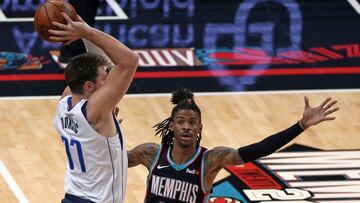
[82, 68]
[182, 98]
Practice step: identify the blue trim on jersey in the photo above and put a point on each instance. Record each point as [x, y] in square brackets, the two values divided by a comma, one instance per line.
[68, 101]
[113, 172]
[118, 130]
[203, 172]
[156, 158]
[182, 166]
[84, 110]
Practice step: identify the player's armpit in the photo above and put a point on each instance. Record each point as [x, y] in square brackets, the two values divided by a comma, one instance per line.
[142, 154]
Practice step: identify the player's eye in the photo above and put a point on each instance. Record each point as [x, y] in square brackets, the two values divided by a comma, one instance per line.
[180, 121]
[108, 70]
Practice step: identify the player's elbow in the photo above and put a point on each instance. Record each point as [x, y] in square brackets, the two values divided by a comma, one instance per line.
[134, 59]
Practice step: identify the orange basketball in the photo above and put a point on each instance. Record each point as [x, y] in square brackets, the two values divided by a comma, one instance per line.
[51, 11]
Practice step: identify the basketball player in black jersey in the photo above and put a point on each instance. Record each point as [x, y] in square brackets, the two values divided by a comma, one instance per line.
[180, 170]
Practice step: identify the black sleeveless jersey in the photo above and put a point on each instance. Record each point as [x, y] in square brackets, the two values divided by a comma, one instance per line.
[168, 182]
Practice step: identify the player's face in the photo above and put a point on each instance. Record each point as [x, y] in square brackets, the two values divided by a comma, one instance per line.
[186, 126]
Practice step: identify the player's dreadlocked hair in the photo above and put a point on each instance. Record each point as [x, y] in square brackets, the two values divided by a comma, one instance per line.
[182, 98]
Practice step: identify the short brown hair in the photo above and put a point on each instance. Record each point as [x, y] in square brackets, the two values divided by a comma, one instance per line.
[82, 68]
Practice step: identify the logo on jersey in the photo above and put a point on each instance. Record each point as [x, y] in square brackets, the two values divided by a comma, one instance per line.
[289, 176]
[195, 172]
[161, 167]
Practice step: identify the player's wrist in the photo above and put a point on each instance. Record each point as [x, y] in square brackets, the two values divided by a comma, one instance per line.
[88, 33]
[302, 124]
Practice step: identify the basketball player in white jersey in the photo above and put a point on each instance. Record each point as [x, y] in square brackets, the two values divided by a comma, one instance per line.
[97, 160]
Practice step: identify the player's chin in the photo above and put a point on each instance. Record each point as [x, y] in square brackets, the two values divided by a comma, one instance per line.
[186, 142]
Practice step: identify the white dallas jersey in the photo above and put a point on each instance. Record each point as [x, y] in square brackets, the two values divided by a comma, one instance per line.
[97, 165]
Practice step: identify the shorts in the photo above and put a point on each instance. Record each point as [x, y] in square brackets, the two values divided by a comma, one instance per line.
[74, 199]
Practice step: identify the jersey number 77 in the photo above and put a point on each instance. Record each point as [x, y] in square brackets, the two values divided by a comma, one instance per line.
[77, 144]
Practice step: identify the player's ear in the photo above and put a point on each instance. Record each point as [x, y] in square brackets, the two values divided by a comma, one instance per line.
[89, 86]
[171, 126]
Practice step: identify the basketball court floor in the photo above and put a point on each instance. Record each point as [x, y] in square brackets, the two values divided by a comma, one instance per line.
[250, 69]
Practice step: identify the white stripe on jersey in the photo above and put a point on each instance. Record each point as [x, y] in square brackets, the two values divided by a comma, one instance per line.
[97, 165]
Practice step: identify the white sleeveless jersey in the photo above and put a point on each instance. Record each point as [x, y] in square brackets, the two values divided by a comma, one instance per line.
[97, 165]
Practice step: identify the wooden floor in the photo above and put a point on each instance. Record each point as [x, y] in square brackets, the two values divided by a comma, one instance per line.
[33, 154]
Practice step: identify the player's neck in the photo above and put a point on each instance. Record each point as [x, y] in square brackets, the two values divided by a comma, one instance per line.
[181, 155]
[77, 97]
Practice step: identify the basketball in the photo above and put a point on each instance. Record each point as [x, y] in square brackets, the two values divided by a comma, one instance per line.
[51, 11]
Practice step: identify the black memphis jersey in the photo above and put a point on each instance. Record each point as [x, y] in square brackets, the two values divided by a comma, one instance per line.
[172, 183]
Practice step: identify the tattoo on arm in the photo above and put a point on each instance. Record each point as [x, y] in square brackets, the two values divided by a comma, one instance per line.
[142, 154]
[216, 159]
[148, 154]
[219, 157]
[132, 159]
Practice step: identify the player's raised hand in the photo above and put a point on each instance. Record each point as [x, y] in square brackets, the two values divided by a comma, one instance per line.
[69, 32]
[315, 115]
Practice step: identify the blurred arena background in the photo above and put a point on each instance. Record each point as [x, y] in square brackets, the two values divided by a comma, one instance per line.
[251, 61]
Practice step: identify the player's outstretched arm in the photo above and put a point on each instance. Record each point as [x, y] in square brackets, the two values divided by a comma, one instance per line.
[142, 154]
[219, 157]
